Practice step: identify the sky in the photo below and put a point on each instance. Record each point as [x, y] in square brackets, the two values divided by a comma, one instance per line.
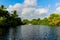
[32, 9]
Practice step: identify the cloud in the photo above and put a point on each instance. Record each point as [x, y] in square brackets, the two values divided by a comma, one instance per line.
[42, 10]
[17, 7]
[57, 10]
[29, 10]
[29, 3]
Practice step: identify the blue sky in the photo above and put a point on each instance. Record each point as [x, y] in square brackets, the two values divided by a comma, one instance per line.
[6, 3]
[44, 3]
[39, 2]
[51, 6]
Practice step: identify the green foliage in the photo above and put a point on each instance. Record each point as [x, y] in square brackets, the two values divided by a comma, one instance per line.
[25, 21]
[54, 19]
[7, 19]
[44, 21]
[36, 21]
[11, 20]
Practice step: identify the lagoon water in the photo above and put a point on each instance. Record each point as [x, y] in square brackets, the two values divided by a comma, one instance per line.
[34, 32]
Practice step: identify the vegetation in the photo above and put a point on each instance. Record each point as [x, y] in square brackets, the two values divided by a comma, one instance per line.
[52, 20]
[12, 20]
[36, 21]
[7, 19]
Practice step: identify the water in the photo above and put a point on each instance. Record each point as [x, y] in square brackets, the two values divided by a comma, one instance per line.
[34, 32]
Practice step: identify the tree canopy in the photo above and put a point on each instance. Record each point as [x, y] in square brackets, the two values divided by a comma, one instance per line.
[52, 20]
[11, 20]
[7, 19]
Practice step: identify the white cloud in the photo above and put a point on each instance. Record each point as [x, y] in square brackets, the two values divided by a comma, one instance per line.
[30, 13]
[30, 3]
[57, 10]
[17, 7]
[28, 9]
[42, 10]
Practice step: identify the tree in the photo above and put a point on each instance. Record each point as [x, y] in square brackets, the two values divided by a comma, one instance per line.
[2, 7]
[44, 21]
[8, 20]
[34, 22]
[25, 21]
[54, 19]
[14, 14]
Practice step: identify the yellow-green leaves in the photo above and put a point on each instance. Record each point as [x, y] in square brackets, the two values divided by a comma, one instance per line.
[54, 19]
[2, 19]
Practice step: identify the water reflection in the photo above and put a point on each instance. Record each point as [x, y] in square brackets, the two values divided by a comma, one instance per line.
[34, 32]
[57, 33]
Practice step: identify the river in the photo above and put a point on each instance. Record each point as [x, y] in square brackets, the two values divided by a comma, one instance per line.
[34, 32]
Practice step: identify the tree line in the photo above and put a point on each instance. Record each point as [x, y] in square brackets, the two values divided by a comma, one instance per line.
[8, 19]
[52, 20]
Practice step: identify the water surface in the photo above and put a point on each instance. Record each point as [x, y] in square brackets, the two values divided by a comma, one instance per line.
[34, 32]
